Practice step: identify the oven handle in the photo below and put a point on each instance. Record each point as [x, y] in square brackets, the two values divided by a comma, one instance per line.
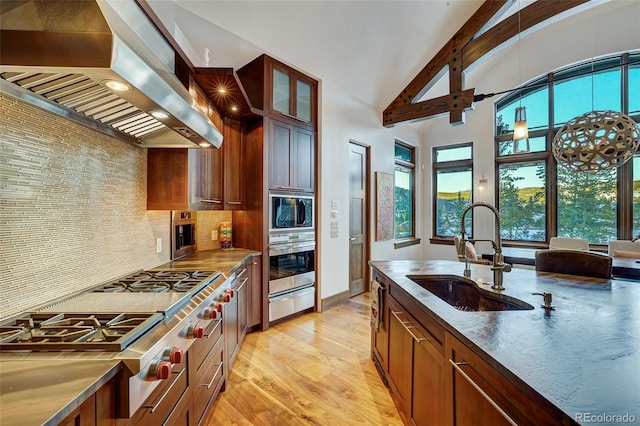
[290, 248]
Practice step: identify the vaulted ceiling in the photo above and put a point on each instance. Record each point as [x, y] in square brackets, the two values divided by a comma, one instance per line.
[369, 49]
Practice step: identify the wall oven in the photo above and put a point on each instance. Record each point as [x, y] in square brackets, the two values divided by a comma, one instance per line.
[291, 274]
[290, 212]
[183, 233]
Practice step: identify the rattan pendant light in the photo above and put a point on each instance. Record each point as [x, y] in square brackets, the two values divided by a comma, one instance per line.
[596, 141]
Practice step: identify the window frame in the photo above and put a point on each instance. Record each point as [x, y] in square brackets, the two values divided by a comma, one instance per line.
[408, 166]
[452, 166]
[624, 200]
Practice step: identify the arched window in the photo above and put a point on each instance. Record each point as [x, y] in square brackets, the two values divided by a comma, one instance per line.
[539, 198]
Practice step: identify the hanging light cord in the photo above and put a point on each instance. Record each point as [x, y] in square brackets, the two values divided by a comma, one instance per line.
[483, 96]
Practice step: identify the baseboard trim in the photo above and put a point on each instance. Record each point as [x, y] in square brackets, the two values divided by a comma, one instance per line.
[335, 300]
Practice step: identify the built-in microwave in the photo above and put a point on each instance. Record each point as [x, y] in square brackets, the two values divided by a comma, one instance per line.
[291, 212]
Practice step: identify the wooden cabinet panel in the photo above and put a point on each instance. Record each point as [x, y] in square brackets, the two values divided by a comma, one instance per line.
[281, 136]
[478, 394]
[84, 415]
[233, 148]
[199, 179]
[254, 299]
[291, 157]
[427, 403]
[167, 179]
[303, 169]
[400, 358]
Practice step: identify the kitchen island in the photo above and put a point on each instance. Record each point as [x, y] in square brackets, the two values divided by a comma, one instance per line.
[578, 362]
[44, 388]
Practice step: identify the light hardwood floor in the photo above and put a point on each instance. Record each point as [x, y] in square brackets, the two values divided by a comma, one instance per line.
[313, 370]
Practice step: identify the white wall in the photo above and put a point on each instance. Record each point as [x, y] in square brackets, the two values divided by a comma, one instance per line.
[345, 119]
[610, 28]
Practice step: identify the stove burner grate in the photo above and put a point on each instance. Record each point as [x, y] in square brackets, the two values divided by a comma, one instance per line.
[76, 331]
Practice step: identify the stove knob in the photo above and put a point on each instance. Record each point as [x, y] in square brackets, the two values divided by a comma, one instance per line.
[175, 355]
[219, 306]
[195, 331]
[227, 297]
[210, 312]
[232, 292]
[163, 370]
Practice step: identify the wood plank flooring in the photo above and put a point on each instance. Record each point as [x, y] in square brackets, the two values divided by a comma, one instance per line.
[315, 370]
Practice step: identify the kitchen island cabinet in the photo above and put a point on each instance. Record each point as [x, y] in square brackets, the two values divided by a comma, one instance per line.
[533, 366]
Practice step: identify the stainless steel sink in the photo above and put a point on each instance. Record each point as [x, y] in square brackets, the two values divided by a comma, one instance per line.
[465, 295]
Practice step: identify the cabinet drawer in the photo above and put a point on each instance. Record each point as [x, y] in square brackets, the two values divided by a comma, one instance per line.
[208, 382]
[201, 348]
[157, 408]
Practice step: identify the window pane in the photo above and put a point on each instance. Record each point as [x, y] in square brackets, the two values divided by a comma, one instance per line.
[453, 189]
[454, 154]
[636, 196]
[575, 96]
[522, 201]
[404, 153]
[634, 87]
[537, 108]
[587, 205]
[303, 101]
[403, 202]
[535, 145]
[280, 91]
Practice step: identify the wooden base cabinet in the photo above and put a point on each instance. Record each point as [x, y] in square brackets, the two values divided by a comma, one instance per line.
[480, 395]
[97, 410]
[416, 366]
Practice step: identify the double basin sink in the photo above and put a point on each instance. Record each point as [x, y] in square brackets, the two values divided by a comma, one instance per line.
[465, 295]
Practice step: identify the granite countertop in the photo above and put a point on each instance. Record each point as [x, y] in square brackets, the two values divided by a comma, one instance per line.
[43, 388]
[583, 356]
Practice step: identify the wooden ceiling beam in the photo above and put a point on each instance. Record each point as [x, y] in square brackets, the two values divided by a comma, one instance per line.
[530, 16]
[447, 57]
[467, 46]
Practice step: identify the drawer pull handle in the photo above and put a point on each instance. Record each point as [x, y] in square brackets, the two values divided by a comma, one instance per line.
[211, 201]
[215, 374]
[166, 392]
[410, 327]
[234, 202]
[457, 365]
[215, 327]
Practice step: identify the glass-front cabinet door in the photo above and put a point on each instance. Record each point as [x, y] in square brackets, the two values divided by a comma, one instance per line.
[281, 92]
[303, 100]
[292, 94]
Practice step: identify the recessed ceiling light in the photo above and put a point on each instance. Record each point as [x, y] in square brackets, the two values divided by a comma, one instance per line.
[234, 108]
[159, 114]
[118, 86]
[222, 90]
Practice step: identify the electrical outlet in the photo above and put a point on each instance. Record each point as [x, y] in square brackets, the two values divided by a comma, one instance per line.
[158, 245]
[214, 235]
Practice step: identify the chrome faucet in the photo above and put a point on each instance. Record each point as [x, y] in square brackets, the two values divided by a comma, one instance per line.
[498, 267]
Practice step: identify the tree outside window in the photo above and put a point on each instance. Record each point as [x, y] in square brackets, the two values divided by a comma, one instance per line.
[404, 191]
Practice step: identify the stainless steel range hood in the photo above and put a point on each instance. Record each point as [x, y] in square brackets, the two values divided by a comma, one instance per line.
[63, 55]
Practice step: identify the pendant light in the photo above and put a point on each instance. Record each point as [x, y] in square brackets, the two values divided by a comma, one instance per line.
[520, 128]
[598, 140]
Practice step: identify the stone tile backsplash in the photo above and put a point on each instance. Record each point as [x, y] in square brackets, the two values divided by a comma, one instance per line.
[72, 208]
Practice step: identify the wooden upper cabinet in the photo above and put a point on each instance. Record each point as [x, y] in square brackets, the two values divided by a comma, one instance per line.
[280, 90]
[291, 157]
[199, 179]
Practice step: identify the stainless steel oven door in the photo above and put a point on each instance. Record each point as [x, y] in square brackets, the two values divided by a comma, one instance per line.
[291, 266]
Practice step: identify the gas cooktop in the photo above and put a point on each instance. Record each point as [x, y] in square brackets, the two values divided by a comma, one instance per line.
[160, 282]
[75, 331]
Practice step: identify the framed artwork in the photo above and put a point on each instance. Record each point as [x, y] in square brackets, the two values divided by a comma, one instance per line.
[384, 206]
